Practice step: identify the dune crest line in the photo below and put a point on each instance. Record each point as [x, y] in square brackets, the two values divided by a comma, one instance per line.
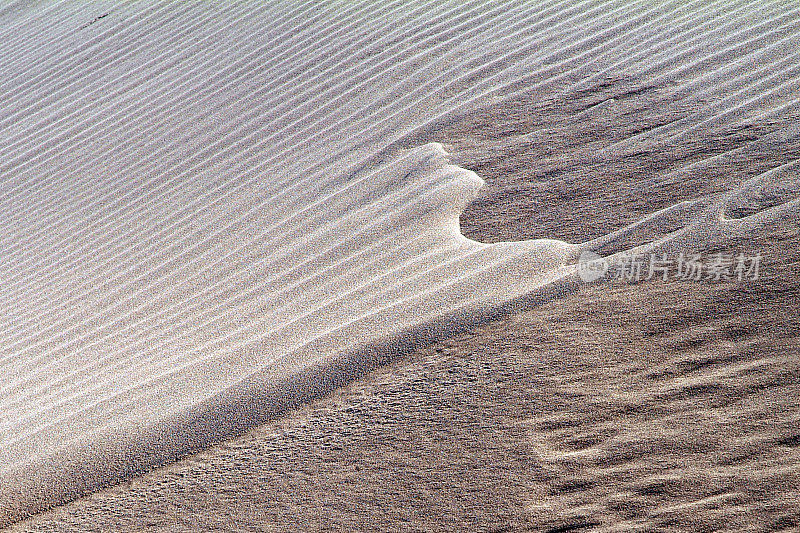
[206, 215]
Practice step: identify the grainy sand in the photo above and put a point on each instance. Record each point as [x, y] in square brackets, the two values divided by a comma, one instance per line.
[658, 406]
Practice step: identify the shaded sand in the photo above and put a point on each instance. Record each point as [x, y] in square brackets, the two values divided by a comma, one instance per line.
[660, 406]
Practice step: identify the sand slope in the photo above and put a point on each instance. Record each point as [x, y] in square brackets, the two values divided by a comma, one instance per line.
[211, 213]
[660, 406]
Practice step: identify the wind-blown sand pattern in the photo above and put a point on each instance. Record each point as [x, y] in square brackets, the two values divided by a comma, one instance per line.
[213, 212]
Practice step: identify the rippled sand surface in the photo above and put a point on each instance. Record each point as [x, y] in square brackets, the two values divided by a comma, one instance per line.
[200, 236]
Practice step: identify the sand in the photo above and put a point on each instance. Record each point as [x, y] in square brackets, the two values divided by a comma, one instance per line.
[136, 328]
[657, 406]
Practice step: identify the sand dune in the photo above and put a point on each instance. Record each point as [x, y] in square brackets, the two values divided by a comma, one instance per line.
[214, 212]
[657, 406]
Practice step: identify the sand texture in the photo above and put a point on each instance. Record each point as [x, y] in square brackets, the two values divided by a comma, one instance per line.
[657, 406]
[215, 213]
